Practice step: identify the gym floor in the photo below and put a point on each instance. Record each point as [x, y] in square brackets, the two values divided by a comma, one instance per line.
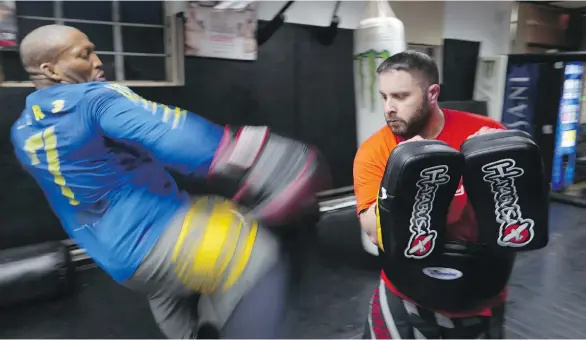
[334, 281]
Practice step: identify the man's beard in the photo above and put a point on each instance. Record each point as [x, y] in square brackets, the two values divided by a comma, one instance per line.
[415, 126]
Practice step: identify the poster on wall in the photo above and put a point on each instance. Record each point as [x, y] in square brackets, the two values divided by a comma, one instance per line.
[8, 26]
[221, 29]
[519, 98]
[564, 156]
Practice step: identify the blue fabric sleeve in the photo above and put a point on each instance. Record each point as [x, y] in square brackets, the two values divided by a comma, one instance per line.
[181, 140]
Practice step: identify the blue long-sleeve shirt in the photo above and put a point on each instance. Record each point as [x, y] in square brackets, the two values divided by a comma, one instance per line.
[100, 153]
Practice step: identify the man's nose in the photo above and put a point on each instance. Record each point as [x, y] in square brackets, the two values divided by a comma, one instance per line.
[97, 62]
[390, 108]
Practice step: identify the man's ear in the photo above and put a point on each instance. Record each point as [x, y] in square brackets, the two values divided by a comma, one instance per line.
[48, 70]
[433, 93]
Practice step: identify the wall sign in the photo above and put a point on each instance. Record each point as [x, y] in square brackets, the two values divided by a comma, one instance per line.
[216, 29]
[519, 101]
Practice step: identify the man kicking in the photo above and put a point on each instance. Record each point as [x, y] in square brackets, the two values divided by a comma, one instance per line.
[101, 154]
[409, 88]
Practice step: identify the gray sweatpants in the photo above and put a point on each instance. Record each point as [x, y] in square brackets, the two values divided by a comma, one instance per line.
[253, 307]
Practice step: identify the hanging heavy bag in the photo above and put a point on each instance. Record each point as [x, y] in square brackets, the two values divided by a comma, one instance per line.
[34, 272]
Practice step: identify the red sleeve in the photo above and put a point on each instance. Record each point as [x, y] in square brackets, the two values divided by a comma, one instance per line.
[484, 121]
[487, 122]
[496, 125]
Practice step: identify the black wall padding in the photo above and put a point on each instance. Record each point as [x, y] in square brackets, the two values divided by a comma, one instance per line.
[575, 32]
[297, 87]
[34, 272]
[459, 69]
[25, 216]
[325, 97]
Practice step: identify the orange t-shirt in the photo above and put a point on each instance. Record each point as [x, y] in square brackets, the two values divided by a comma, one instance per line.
[369, 167]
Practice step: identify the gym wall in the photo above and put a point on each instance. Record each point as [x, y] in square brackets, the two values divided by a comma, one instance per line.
[297, 87]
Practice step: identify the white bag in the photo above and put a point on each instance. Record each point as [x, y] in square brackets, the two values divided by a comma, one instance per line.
[379, 35]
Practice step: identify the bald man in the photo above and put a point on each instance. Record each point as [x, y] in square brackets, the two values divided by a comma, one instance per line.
[101, 154]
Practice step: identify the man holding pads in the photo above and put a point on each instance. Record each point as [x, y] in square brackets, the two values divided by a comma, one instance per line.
[421, 207]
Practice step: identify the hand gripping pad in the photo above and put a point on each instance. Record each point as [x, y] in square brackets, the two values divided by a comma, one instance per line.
[418, 185]
[505, 180]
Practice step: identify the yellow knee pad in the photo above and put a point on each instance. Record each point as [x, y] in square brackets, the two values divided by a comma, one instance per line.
[214, 245]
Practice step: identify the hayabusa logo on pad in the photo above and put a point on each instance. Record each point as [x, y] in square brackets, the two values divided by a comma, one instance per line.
[514, 231]
[423, 238]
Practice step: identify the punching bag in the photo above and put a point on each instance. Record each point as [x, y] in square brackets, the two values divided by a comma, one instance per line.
[35, 271]
[378, 36]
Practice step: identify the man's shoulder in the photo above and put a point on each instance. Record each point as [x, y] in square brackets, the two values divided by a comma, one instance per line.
[472, 119]
[79, 97]
[383, 137]
[377, 147]
[97, 94]
[67, 96]
[44, 107]
[73, 90]
[94, 89]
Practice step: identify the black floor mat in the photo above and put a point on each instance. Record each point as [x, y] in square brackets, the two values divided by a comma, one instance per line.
[334, 281]
[548, 289]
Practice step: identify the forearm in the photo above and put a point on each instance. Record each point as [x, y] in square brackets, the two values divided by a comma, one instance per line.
[368, 223]
[182, 141]
[189, 149]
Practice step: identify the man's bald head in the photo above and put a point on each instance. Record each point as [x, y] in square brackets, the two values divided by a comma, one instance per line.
[58, 54]
[44, 45]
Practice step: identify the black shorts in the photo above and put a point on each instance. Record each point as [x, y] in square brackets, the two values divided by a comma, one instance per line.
[391, 317]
